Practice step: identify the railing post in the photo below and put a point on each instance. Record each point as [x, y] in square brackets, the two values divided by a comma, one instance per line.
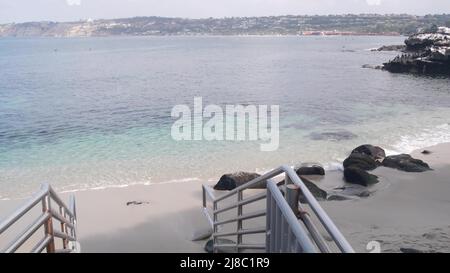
[73, 218]
[204, 196]
[48, 226]
[214, 225]
[292, 196]
[63, 227]
[239, 222]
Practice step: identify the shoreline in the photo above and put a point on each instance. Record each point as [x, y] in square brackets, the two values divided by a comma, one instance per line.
[173, 214]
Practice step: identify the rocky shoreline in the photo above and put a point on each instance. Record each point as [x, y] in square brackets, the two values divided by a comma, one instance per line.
[427, 53]
[357, 167]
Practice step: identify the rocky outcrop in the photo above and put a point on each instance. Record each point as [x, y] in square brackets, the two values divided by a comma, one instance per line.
[371, 66]
[406, 163]
[234, 180]
[391, 48]
[427, 53]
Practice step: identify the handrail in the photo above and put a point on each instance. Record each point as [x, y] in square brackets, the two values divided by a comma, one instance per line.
[290, 178]
[326, 221]
[36, 198]
[65, 216]
[283, 210]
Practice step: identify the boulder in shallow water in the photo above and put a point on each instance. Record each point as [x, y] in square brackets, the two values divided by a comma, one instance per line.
[354, 175]
[310, 169]
[405, 162]
[333, 135]
[234, 180]
[375, 152]
[410, 250]
[361, 161]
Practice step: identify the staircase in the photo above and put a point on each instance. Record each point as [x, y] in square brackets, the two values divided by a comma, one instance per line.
[288, 227]
[54, 213]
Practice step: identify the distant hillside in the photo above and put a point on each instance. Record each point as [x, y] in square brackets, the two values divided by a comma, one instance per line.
[371, 24]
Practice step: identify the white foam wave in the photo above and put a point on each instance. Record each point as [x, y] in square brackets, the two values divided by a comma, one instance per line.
[120, 186]
[428, 137]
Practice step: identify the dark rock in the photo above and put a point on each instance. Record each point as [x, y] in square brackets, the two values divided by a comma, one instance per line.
[426, 152]
[365, 194]
[136, 203]
[351, 191]
[405, 163]
[377, 153]
[209, 246]
[371, 66]
[310, 169]
[317, 192]
[234, 180]
[359, 176]
[333, 136]
[361, 161]
[391, 48]
[410, 250]
[337, 197]
[427, 53]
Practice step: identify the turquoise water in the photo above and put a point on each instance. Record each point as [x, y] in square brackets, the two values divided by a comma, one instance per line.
[95, 112]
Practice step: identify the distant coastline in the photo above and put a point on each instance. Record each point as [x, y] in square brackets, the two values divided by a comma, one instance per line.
[324, 25]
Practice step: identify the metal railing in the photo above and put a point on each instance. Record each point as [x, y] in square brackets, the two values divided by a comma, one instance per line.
[288, 227]
[66, 216]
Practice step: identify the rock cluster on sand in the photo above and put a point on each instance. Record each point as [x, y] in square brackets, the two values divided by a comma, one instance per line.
[406, 163]
[357, 166]
[427, 52]
[368, 157]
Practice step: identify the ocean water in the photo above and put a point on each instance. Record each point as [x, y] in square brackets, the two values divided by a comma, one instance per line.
[87, 113]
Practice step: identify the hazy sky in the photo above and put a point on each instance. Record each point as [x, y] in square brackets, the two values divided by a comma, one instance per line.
[69, 10]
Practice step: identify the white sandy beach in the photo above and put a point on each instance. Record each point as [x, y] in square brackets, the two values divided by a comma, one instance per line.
[407, 210]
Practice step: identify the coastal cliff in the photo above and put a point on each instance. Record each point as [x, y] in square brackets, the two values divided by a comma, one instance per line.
[427, 52]
[349, 24]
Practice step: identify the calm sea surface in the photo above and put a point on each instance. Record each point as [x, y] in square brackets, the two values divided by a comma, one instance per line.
[95, 112]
